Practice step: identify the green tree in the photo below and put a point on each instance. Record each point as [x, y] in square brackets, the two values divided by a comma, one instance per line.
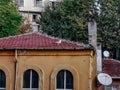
[70, 18]
[9, 18]
[66, 20]
[109, 26]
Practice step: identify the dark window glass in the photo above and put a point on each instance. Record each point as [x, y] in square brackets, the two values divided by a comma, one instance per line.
[26, 79]
[60, 80]
[34, 17]
[35, 79]
[69, 80]
[2, 79]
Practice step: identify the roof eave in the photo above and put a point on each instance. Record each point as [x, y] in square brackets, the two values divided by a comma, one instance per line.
[116, 77]
[46, 49]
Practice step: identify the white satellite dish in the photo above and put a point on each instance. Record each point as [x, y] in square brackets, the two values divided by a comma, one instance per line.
[104, 79]
[106, 54]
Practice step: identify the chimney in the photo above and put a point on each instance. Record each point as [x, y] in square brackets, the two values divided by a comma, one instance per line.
[35, 27]
[99, 58]
[92, 31]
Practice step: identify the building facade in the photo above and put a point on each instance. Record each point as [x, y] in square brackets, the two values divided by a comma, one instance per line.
[32, 9]
[39, 62]
[111, 67]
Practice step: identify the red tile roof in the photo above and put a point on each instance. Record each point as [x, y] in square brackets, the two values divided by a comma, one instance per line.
[37, 41]
[111, 67]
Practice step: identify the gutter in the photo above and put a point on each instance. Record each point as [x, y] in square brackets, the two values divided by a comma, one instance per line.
[50, 48]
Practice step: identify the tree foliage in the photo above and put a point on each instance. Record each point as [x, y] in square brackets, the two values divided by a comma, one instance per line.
[109, 24]
[70, 18]
[25, 27]
[9, 18]
[66, 20]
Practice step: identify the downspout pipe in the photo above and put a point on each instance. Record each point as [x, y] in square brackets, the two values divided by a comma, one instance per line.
[16, 62]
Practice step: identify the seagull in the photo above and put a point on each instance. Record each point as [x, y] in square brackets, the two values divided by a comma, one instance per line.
[58, 42]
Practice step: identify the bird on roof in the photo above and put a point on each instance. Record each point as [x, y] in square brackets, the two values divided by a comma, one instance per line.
[58, 42]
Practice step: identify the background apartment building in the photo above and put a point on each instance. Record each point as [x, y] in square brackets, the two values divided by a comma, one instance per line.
[30, 9]
[33, 8]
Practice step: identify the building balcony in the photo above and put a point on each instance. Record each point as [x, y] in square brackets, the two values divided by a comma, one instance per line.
[31, 6]
[31, 9]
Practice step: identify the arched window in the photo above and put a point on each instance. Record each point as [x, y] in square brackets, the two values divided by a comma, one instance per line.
[64, 80]
[30, 80]
[2, 80]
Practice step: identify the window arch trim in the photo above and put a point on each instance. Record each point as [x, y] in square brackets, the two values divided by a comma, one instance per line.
[35, 68]
[8, 76]
[68, 68]
[62, 81]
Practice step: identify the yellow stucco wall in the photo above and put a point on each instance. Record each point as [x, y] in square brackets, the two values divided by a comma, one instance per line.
[47, 63]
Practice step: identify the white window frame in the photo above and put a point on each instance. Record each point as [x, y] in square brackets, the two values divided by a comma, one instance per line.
[64, 82]
[2, 88]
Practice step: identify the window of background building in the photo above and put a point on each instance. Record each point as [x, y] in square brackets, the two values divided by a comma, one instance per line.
[111, 87]
[38, 3]
[35, 18]
[53, 4]
[20, 3]
[2, 80]
[64, 80]
[30, 80]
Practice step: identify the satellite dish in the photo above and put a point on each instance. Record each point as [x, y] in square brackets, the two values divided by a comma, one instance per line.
[104, 79]
[106, 54]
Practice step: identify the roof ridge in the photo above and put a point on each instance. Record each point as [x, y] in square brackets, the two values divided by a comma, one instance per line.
[39, 40]
[66, 40]
[46, 35]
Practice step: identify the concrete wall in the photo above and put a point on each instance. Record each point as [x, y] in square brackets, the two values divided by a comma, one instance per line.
[47, 63]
